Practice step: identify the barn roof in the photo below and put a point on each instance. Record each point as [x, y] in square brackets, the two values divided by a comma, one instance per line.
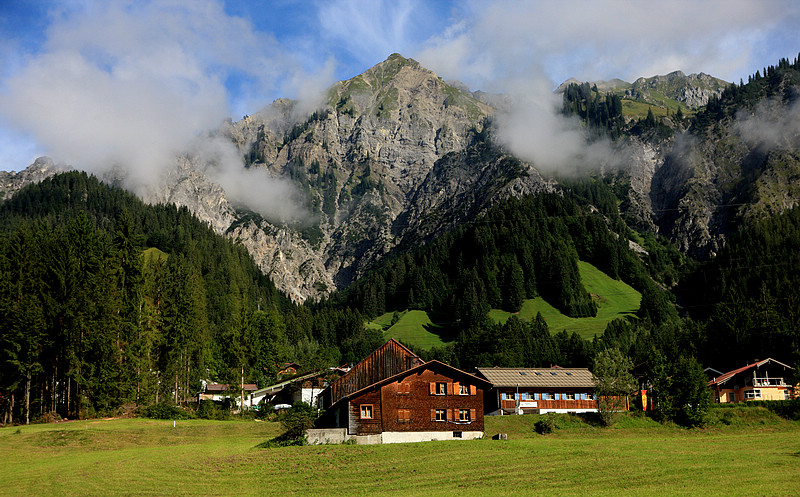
[539, 377]
[476, 380]
[719, 380]
[387, 360]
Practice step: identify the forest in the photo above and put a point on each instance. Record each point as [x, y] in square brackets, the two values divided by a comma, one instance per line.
[107, 302]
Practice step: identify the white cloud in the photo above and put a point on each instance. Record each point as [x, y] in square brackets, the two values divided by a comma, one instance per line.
[526, 48]
[132, 84]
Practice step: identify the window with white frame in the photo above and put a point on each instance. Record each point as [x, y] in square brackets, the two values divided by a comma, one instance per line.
[752, 394]
[366, 411]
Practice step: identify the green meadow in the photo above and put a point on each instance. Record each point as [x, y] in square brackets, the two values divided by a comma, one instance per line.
[758, 454]
[614, 300]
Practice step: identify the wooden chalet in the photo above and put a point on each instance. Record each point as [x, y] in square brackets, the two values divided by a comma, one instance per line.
[539, 390]
[761, 380]
[394, 396]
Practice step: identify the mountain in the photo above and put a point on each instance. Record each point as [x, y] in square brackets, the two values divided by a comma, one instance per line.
[670, 92]
[395, 157]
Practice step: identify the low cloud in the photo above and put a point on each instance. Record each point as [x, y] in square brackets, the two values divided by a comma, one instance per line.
[130, 85]
[276, 198]
[772, 124]
[526, 48]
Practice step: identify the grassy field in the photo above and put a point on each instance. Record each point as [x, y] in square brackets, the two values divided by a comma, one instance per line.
[760, 456]
[614, 299]
[414, 327]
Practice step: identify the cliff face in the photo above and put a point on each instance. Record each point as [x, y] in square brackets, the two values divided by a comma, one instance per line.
[365, 162]
[396, 156]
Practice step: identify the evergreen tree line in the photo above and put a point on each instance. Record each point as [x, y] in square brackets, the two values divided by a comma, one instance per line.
[520, 249]
[600, 112]
[90, 320]
[778, 81]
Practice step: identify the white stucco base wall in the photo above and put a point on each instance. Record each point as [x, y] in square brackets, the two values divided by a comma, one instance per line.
[391, 437]
[320, 436]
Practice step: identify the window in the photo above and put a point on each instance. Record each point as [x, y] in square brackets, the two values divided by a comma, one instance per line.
[404, 415]
[366, 411]
[463, 389]
[523, 396]
[547, 396]
[404, 388]
[463, 415]
[569, 396]
[786, 395]
[752, 394]
[439, 388]
[441, 415]
[508, 395]
[456, 434]
[731, 396]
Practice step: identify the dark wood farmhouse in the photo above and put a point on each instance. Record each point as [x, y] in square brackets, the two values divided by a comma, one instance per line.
[543, 390]
[394, 396]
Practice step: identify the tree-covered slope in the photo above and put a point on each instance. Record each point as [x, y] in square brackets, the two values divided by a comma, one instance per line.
[87, 324]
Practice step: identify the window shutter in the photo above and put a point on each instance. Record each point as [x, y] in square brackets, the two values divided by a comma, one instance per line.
[456, 389]
[472, 390]
[472, 415]
[433, 414]
[433, 388]
[449, 414]
[449, 388]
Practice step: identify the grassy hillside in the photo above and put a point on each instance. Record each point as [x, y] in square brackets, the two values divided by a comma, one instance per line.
[614, 299]
[638, 457]
[413, 327]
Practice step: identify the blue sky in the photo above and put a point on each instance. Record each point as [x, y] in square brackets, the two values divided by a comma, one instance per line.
[76, 75]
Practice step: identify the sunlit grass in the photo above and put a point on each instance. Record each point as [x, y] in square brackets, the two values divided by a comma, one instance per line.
[636, 457]
[615, 299]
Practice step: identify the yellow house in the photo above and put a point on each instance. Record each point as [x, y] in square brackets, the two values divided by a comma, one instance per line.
[761, 380]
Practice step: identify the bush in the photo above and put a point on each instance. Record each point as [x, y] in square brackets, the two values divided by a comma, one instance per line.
[208, 409]
[164, 411]
[545, 426]
[297, 420]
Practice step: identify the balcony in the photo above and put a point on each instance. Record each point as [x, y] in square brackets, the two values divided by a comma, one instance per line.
[768, 382]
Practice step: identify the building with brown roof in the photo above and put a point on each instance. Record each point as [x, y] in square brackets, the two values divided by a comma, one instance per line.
[394, 396]
[539, 390]
[761, 380]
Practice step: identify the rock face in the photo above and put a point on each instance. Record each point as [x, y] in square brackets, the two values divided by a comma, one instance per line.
[41, 169]
[693, 90]
[363, 160]
[395, 157]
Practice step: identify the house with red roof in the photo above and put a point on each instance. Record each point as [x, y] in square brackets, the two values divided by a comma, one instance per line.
[761, 380]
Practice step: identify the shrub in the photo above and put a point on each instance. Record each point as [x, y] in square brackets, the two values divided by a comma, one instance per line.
[164, 411]
[545, 426]
[297, 420]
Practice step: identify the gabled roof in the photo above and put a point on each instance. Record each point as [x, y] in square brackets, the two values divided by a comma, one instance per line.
[539, 377]
[280, 386]
[223, 387]
[387, 360]
[476, 380]
[719, 380]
